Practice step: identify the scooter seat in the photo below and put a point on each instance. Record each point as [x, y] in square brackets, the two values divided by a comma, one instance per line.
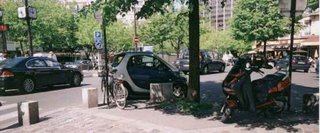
[274, 78]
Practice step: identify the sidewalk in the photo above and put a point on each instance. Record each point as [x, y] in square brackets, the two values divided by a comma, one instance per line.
[140, 120]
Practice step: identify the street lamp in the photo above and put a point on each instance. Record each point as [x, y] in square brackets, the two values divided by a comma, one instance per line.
[291, 8]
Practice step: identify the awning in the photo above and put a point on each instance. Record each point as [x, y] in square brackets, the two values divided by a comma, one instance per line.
[311, 42]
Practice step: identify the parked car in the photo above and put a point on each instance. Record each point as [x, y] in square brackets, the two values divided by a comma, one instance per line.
[30, 73]
[139, 69]
[79, 64]
[207, 63]
[299, 62]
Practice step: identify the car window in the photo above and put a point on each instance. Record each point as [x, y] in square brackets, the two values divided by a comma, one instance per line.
[117, 60]
[300, 58]
[147, 61]
[36, 63]
[51, 63]
[140, 60]
[10, 62]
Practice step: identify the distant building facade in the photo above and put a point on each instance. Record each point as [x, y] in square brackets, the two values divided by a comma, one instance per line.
[218, 16]
[306, 39]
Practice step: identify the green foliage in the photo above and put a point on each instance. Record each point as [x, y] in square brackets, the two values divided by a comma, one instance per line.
[258, 20]
[120, 37]
[220, 41]
[187, 108]
[313, 4]
[87, 26]
[167, 31]
[53, 29]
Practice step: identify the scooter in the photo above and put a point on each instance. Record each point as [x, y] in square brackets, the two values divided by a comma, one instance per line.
[268, 94]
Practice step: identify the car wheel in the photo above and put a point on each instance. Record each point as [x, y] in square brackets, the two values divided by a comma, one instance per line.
[28, 85]
[222, 68]
[76, 80]
[179, 91]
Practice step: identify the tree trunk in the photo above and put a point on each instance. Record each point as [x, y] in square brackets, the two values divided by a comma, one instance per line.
[265, 49]
[194, 35]
[21, 47]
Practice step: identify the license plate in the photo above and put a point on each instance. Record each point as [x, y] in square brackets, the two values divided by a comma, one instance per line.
[301, 63]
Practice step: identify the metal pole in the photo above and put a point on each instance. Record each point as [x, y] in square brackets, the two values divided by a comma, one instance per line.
[292, 15]
[135, 27]
[3, 35]
[106, 69]
[4, 44]
[29, 28]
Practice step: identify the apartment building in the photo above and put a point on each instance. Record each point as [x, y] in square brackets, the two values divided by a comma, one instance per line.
[218, 16]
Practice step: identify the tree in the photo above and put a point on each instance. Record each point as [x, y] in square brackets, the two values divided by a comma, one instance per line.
[258, 20]
[313, 4]
[53, 29]
[120, 37]
[167, 31]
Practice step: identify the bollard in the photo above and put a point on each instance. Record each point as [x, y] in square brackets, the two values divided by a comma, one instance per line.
[90, 97]
[160, 92]
[28, 113]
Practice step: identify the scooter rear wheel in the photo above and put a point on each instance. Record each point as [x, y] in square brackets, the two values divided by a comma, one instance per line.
[278, 107]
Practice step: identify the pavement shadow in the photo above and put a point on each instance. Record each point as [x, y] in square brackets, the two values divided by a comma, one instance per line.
[17, 125]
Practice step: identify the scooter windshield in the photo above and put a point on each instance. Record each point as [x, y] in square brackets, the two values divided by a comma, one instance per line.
[235, 73]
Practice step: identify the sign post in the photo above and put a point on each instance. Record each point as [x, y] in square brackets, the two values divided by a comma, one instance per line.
[97, 43]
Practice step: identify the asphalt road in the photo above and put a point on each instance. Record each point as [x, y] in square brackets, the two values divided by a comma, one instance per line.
[59, 97]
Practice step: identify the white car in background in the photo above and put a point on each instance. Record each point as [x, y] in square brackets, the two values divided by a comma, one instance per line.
[48, 55]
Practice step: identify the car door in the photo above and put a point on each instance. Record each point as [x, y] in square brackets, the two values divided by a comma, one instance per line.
[163, 72]
[40, 72]
[59, 75]
[140, 71]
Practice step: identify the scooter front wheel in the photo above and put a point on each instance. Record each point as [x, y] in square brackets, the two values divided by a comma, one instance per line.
[226, 115]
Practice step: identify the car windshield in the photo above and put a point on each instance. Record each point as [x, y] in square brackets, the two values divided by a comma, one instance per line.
[173, 68]
[10, 62]
[117, 60]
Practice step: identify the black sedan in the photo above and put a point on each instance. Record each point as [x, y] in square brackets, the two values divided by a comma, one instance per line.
[30, 73]
[207, 63]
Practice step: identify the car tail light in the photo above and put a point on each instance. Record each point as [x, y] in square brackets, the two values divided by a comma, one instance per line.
[7, 74]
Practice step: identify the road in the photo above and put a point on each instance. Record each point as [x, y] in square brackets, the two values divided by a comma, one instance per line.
[210, 91]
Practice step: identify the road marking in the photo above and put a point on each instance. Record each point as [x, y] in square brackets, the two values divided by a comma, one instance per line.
[9, 116]
[8, 106]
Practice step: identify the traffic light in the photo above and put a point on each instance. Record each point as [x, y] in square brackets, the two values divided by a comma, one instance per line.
[223, 2]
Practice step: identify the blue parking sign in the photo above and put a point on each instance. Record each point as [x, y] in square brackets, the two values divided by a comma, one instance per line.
[97, 39]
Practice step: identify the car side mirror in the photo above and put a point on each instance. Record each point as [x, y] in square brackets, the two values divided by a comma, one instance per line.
[113, 71]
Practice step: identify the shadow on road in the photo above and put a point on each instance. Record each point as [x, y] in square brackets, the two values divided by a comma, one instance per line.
[44, 89]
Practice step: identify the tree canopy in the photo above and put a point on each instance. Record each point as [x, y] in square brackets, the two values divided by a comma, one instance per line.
[53, 29]
[258, 20]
